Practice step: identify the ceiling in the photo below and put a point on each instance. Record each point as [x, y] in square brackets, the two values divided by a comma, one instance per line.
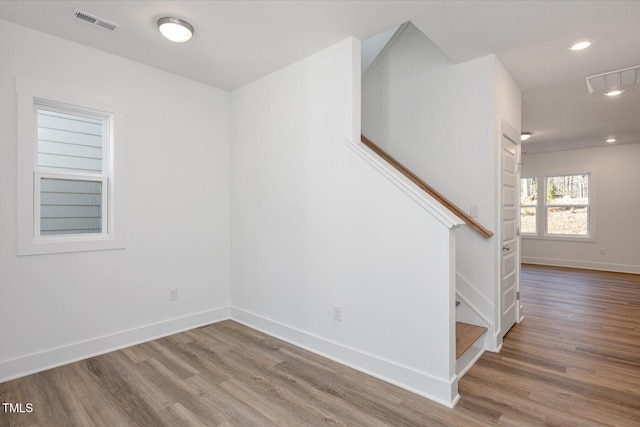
[237, 42]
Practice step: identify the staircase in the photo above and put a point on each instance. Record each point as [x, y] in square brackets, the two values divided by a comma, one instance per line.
[466, 335]
[471, 222]
[469, 346]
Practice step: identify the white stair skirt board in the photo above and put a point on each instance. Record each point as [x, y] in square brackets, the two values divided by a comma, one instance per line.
[51, 358]
[471, 296]
[464, 313]
[440, 390]
[469, 358]
[481, 306]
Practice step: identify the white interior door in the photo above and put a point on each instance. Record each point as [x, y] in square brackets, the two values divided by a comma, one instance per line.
[510, 257]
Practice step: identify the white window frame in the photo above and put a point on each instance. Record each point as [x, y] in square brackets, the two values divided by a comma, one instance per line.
[59, 173]
[541, 210]
[79, 100]
[535, 205]
[546, 207]
[104, 180]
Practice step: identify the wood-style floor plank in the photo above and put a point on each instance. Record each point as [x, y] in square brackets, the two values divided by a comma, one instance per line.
[574, 361]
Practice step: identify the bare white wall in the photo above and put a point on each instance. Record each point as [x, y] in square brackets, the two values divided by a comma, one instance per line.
[508, 98]
[315, 226]
[373, 46]
[57, 308]
[442, 121]
[615, 202]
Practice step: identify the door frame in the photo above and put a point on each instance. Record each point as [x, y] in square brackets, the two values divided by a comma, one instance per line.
[512, 134]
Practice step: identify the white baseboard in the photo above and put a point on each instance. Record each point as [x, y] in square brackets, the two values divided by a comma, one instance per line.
[498, 340]
[589, 265]
[51, 358]
[439, 390]
[444, 392]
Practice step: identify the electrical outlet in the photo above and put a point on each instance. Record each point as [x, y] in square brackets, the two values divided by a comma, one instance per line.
[337, 313]
[603, 251]
[173, 294]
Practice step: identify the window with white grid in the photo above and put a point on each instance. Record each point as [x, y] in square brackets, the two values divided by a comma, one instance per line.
[70, 169]
[71, 179]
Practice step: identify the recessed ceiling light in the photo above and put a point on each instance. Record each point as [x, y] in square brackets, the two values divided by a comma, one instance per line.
[525, 135]
[175, 29]
[614, 92]
[611, 140]
[582, 44]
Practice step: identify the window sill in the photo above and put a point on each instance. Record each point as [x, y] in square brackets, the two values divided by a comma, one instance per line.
[57, 246]
[578, 239]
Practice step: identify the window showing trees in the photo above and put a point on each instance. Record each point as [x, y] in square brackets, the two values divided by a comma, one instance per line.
[564, 209]
[529, 205]
[567, 205]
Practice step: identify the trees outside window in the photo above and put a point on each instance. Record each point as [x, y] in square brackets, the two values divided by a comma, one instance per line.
[561, 208]
[567, 205]
[529, 205]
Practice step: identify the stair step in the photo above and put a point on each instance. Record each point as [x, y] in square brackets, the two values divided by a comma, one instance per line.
[466, 335]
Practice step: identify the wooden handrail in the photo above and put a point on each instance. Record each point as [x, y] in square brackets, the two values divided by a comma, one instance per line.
[428, 189]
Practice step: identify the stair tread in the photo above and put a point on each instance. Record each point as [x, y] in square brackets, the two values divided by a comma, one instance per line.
[466, 335]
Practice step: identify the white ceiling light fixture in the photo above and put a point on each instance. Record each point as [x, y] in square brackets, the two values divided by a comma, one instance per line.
[525, 135]
[611, 140]
[581, 44]
[614, 92]
[175, 29]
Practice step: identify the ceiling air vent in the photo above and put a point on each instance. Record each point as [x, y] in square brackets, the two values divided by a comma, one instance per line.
[95, 20]
[619, 79]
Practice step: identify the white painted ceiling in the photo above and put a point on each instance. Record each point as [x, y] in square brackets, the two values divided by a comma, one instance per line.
[237, 42]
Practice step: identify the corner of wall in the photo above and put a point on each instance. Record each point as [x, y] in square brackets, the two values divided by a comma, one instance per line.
[51, 358]
[356, 90]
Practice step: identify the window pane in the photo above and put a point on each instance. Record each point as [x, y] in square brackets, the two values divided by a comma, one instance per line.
[568, 190]
[528, 191]
[571, 221]
[69, 141]
[528, 220]
[69, 206]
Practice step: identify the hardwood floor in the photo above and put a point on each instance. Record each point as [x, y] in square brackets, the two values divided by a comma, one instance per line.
[574, 361]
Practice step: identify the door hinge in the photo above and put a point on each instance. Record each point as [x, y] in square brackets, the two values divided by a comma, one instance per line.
[518, 295]
[517, 230]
